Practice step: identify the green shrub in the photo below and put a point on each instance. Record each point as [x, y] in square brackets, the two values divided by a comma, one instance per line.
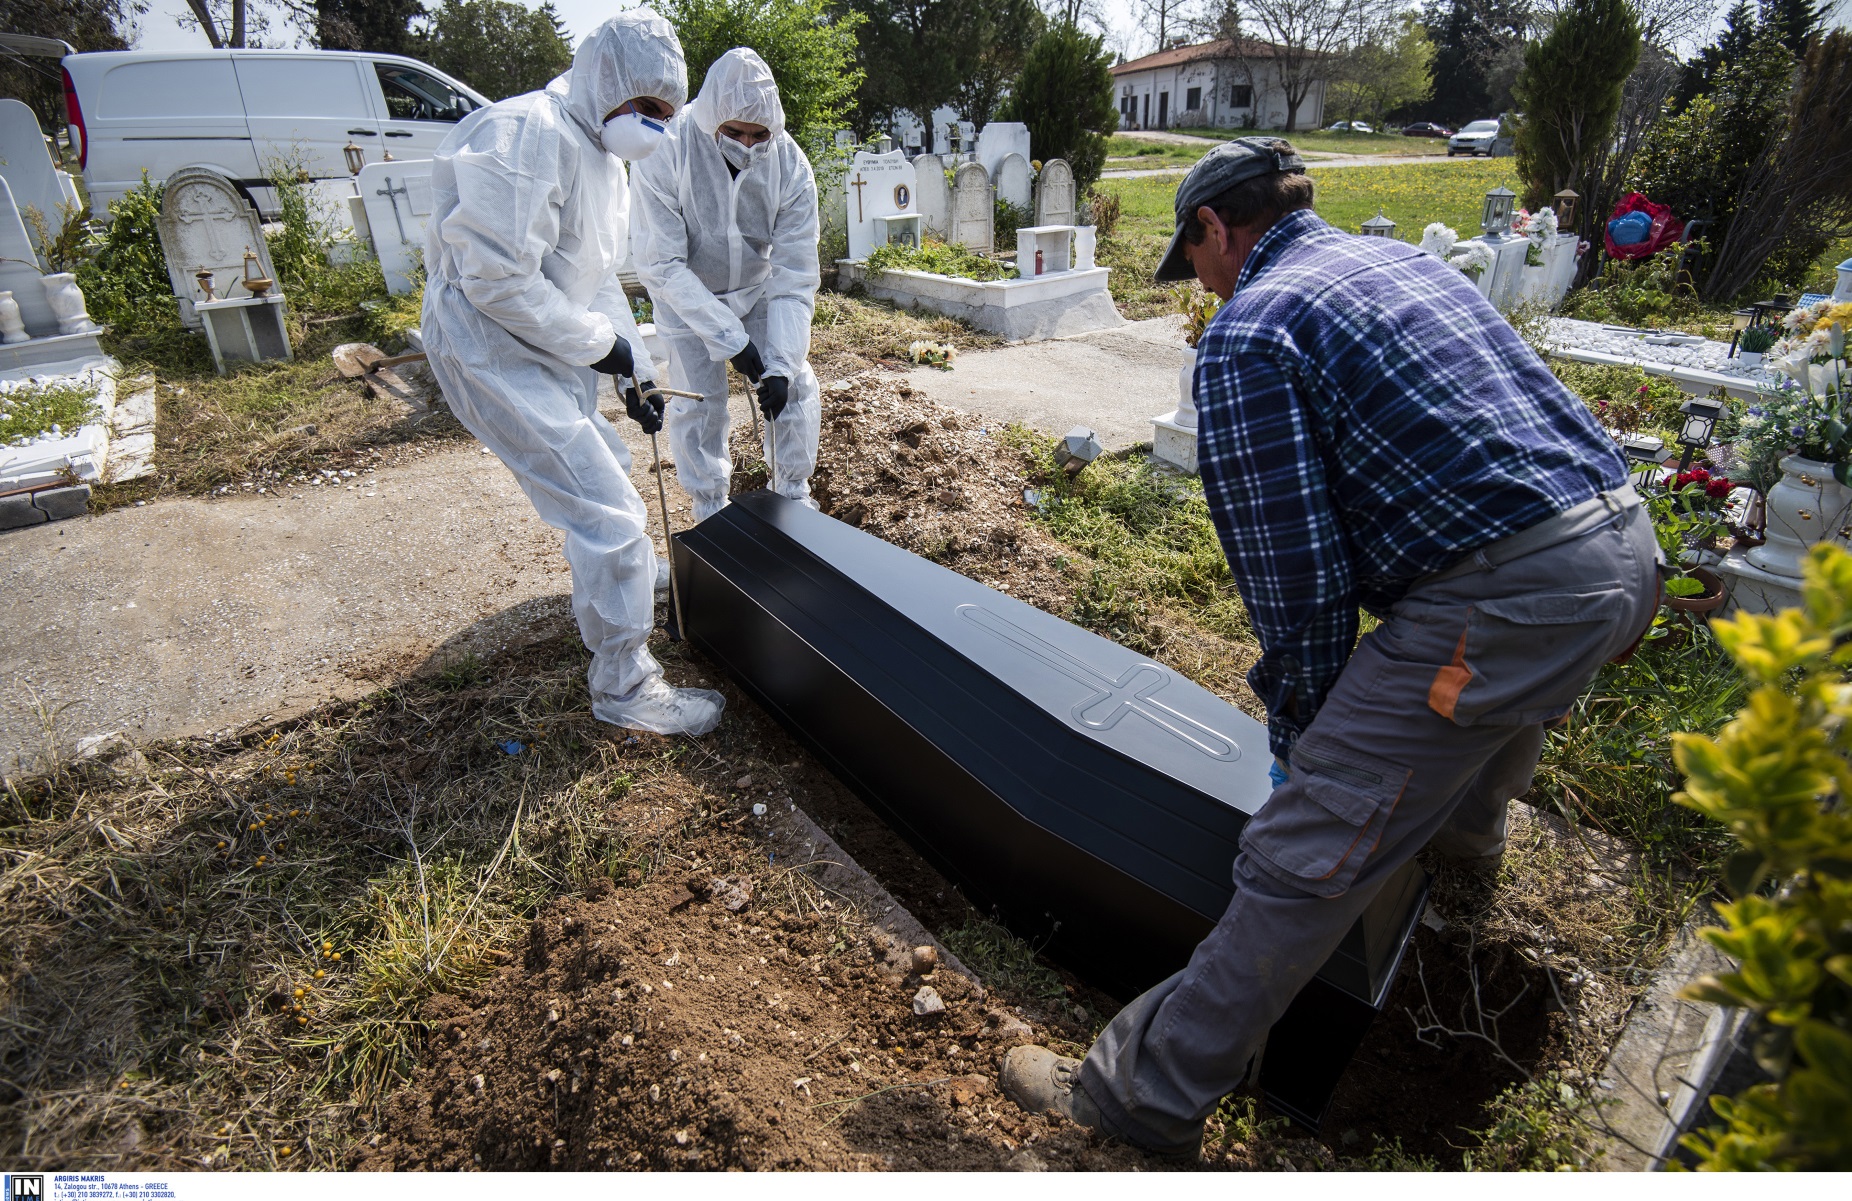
[1009, 218]
[1777, 778]
[125, 284]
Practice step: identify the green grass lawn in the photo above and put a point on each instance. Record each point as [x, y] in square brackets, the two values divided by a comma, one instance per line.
[1131, 152]
[1334, 143]
[1411, 195]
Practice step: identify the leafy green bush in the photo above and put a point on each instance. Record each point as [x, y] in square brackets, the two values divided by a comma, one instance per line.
[1644, 292]
[124, 278]
[938, 258]
[1777, 778]
[1009, 218]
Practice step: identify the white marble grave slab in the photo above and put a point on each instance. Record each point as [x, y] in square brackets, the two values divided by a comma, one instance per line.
[206, 225]
[1014, 181]
[877, 185]
[397, 197]
[27, 167]
[1054, 194]
[997, 141]
[933, 195]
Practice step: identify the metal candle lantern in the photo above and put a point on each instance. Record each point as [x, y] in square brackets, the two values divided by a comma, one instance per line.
[1565, 209]
[1498, 204]
[355, 156]
[1379, 226]
[255, 281]
[1701, 414]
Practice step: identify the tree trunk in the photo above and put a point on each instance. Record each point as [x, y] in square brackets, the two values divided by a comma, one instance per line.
[204, 16]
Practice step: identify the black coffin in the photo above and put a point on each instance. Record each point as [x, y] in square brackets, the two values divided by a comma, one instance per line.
[1090, 796]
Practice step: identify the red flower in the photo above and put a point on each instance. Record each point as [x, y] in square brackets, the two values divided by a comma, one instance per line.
[1643, 389]
[1719, 488]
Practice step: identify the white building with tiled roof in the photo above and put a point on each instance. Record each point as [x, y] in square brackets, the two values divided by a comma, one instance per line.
[1210, 86]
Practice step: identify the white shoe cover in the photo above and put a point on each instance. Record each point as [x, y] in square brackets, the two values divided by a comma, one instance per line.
[704, 509]
[662, 578]
[660, 709]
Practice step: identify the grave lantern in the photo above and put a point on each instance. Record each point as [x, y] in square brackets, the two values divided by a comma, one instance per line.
[355, 156]
[1701, 414]
[1079, 447]
[255, 281]
[1497, 218]
[1565, 209]
[1379, 226]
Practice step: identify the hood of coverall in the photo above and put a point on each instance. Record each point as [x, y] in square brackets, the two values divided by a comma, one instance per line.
[633, 54]
[739, 87]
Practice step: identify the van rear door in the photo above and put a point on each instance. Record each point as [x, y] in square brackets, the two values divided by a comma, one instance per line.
[157, 114]
[303, 108]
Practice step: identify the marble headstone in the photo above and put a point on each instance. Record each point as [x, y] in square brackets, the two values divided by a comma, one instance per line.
[18, 275]
[1013, 181]
[27, 167]
[974, 211]
[206, 225]
[932, 195]
[397, 198]
[1054, 194]
[997, 141]
[877, 185]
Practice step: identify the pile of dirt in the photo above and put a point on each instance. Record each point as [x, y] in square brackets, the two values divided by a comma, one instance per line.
[682, 1025]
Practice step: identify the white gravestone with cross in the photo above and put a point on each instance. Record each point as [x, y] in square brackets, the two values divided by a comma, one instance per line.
[27, 167]
[1054, 194]
[397, 199]
[932, 195]
[974, 210]
[206, 225]
[1013, 181]
[878, 185]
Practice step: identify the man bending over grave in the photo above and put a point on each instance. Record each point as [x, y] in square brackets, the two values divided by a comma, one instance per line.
[727, 246]
[1372, 435]
[523, 312]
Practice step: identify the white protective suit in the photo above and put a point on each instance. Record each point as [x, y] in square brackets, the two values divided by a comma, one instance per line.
[726, 258]
[528, 228]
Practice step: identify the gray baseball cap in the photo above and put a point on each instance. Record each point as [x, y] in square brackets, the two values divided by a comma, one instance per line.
[1216, 172]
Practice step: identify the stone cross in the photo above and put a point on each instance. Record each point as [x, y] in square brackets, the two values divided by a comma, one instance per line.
[858, 183]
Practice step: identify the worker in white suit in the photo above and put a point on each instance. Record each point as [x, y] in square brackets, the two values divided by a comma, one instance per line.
[727, 246]
[523, 312]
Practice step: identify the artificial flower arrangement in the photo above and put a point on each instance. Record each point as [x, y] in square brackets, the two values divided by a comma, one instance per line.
[1441, 241]
[1810, 412]
[1540, 228]
[933, 354]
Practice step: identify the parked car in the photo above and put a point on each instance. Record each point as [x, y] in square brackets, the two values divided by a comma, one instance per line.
[1426, 129]
[1348, 127]
[240, 112]
[1477, 138]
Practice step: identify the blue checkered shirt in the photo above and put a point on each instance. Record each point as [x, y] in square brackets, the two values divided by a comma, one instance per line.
[1368, 418]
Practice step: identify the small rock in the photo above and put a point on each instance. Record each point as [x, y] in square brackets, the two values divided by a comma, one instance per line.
[758, 810]
[926, 1001]
[925, 960]
[477, 1082]
[743, 782]
[655, 1092]
[552, 1017]
[681, 1138]
[675, 1056]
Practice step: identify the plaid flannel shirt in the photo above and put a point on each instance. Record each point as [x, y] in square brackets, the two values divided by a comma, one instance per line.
[1367, 418]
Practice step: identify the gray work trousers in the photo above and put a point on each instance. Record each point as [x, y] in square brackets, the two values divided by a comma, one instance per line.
[1435, 724]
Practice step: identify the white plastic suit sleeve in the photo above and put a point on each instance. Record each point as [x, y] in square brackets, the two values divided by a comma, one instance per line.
[662, 261]
[790, 294]
[507, 219]
[612, 302]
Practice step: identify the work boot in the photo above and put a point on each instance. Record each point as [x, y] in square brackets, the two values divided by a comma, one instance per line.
[1039, 1080]
[660, 709]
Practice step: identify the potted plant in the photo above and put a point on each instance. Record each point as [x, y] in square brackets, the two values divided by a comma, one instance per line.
[1199, 307]
[1686, 509]
[1755, 343]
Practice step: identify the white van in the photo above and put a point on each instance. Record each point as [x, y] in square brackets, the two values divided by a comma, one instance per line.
[242, 111]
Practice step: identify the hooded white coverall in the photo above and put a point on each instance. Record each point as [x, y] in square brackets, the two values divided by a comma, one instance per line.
[727, 258]
[527, 231]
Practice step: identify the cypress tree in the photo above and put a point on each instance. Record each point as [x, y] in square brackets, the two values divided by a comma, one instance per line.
[1570, 93]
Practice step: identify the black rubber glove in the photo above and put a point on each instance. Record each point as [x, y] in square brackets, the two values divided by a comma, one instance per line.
[749, 363]
[646, 412]
[617, 361]
[774, 394]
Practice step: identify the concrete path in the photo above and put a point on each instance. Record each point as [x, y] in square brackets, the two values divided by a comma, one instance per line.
[191, 615]
[1114, 381]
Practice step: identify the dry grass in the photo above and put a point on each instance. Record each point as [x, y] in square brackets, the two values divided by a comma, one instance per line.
[215, 951]
[851, 333]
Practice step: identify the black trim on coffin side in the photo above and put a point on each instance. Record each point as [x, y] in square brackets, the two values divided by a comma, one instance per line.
[1091, 797]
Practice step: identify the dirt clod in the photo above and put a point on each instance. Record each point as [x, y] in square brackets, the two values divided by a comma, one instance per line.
[927, 1001]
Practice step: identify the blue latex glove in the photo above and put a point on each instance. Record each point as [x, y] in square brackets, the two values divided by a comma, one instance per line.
[1278, 773]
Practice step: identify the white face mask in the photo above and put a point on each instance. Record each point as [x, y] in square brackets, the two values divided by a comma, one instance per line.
[741, 155]
[632, 136]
